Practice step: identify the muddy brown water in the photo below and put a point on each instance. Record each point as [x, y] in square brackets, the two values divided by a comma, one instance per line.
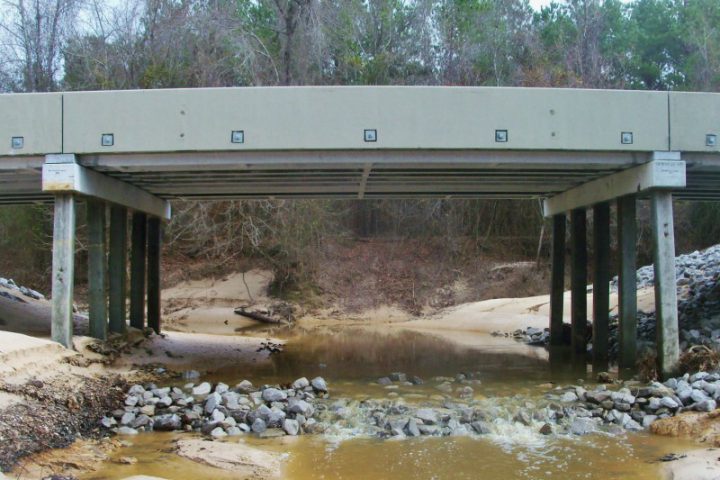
[351, 361]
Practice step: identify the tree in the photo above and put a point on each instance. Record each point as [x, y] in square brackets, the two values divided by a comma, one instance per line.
[35, 33]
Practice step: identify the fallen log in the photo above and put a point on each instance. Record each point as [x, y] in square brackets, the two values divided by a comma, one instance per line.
[255, 315]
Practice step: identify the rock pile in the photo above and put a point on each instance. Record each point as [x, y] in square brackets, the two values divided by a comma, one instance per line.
[636, 407]
[698, 265]
[219, 410]
[698, 282]
[306, 408]
[565, 411]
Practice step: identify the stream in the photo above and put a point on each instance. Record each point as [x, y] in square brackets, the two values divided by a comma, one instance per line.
[507, 374]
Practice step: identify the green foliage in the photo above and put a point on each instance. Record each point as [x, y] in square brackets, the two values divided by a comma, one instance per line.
[704, 223]
[640, 44]
[25, 232]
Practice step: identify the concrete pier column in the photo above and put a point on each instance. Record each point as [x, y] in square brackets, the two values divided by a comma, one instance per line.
[97, 269]
[118, 269]
[666, 312]
[627, 285]
[63, 269]
[154, 236]
[578, 287]
[557, 281]
[601, 286]
[137, 270]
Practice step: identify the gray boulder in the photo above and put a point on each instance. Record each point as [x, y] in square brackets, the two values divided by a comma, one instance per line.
[202, 389]
[705, 406]
[213, 401]
[291, 427]
[259, 425]
[412, 428]
[319, 384]
[427, 415]
[245, 387]
[300, 383]
[582, 426]
[127, 418]
[480, 427]
[168, 422]
[273, 395]
[300, 407]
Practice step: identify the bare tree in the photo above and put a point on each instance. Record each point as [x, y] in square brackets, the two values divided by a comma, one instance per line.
[35, 32]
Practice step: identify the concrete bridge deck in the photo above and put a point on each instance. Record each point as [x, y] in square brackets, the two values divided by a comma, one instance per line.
[357, 142]
[577, 149]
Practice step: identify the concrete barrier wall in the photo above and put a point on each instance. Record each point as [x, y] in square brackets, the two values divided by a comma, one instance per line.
[694, 116]
[335, 118]
[320, 118]
[35, 118]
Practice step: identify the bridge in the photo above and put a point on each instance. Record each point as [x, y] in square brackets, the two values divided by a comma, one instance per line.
[135, 151]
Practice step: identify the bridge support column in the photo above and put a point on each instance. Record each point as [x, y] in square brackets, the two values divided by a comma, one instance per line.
[63, 269]
[137, 270]
[666, 313]
[578, 270]
[97, 265]
[154, 236]
[627, 286]
[557, 281]
[118, 269]
[601, 286]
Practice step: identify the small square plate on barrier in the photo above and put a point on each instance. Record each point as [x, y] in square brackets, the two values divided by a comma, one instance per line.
[501, 136]
[16, 143]
[711, 140]
[107, 139]
[626, 138]
[237, 136]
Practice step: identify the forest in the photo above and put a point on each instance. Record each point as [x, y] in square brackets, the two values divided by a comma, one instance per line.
[61, 45]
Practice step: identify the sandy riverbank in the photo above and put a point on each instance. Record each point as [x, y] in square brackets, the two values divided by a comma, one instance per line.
[50, 396]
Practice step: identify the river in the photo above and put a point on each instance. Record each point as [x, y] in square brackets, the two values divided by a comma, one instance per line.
[501, 372]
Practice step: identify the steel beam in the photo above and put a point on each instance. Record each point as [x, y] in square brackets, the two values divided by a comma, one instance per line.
[118, 269]
[137, 270]
[557, 282]
[97, 266]
[627, 285]
[63, 269]
[578, 238]
[601, 286]
[154, 236]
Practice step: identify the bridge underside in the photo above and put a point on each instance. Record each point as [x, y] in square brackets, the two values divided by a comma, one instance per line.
[580, 150]
[361, 174]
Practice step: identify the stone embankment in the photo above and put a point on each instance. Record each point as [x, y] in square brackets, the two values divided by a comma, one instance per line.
[220, 411]
[10, 286]
[698, 284]
[305, 407]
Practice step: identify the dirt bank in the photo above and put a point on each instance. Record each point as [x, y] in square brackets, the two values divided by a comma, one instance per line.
[51, 396]
[48, 399]
[207, 305]
[700, 464]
